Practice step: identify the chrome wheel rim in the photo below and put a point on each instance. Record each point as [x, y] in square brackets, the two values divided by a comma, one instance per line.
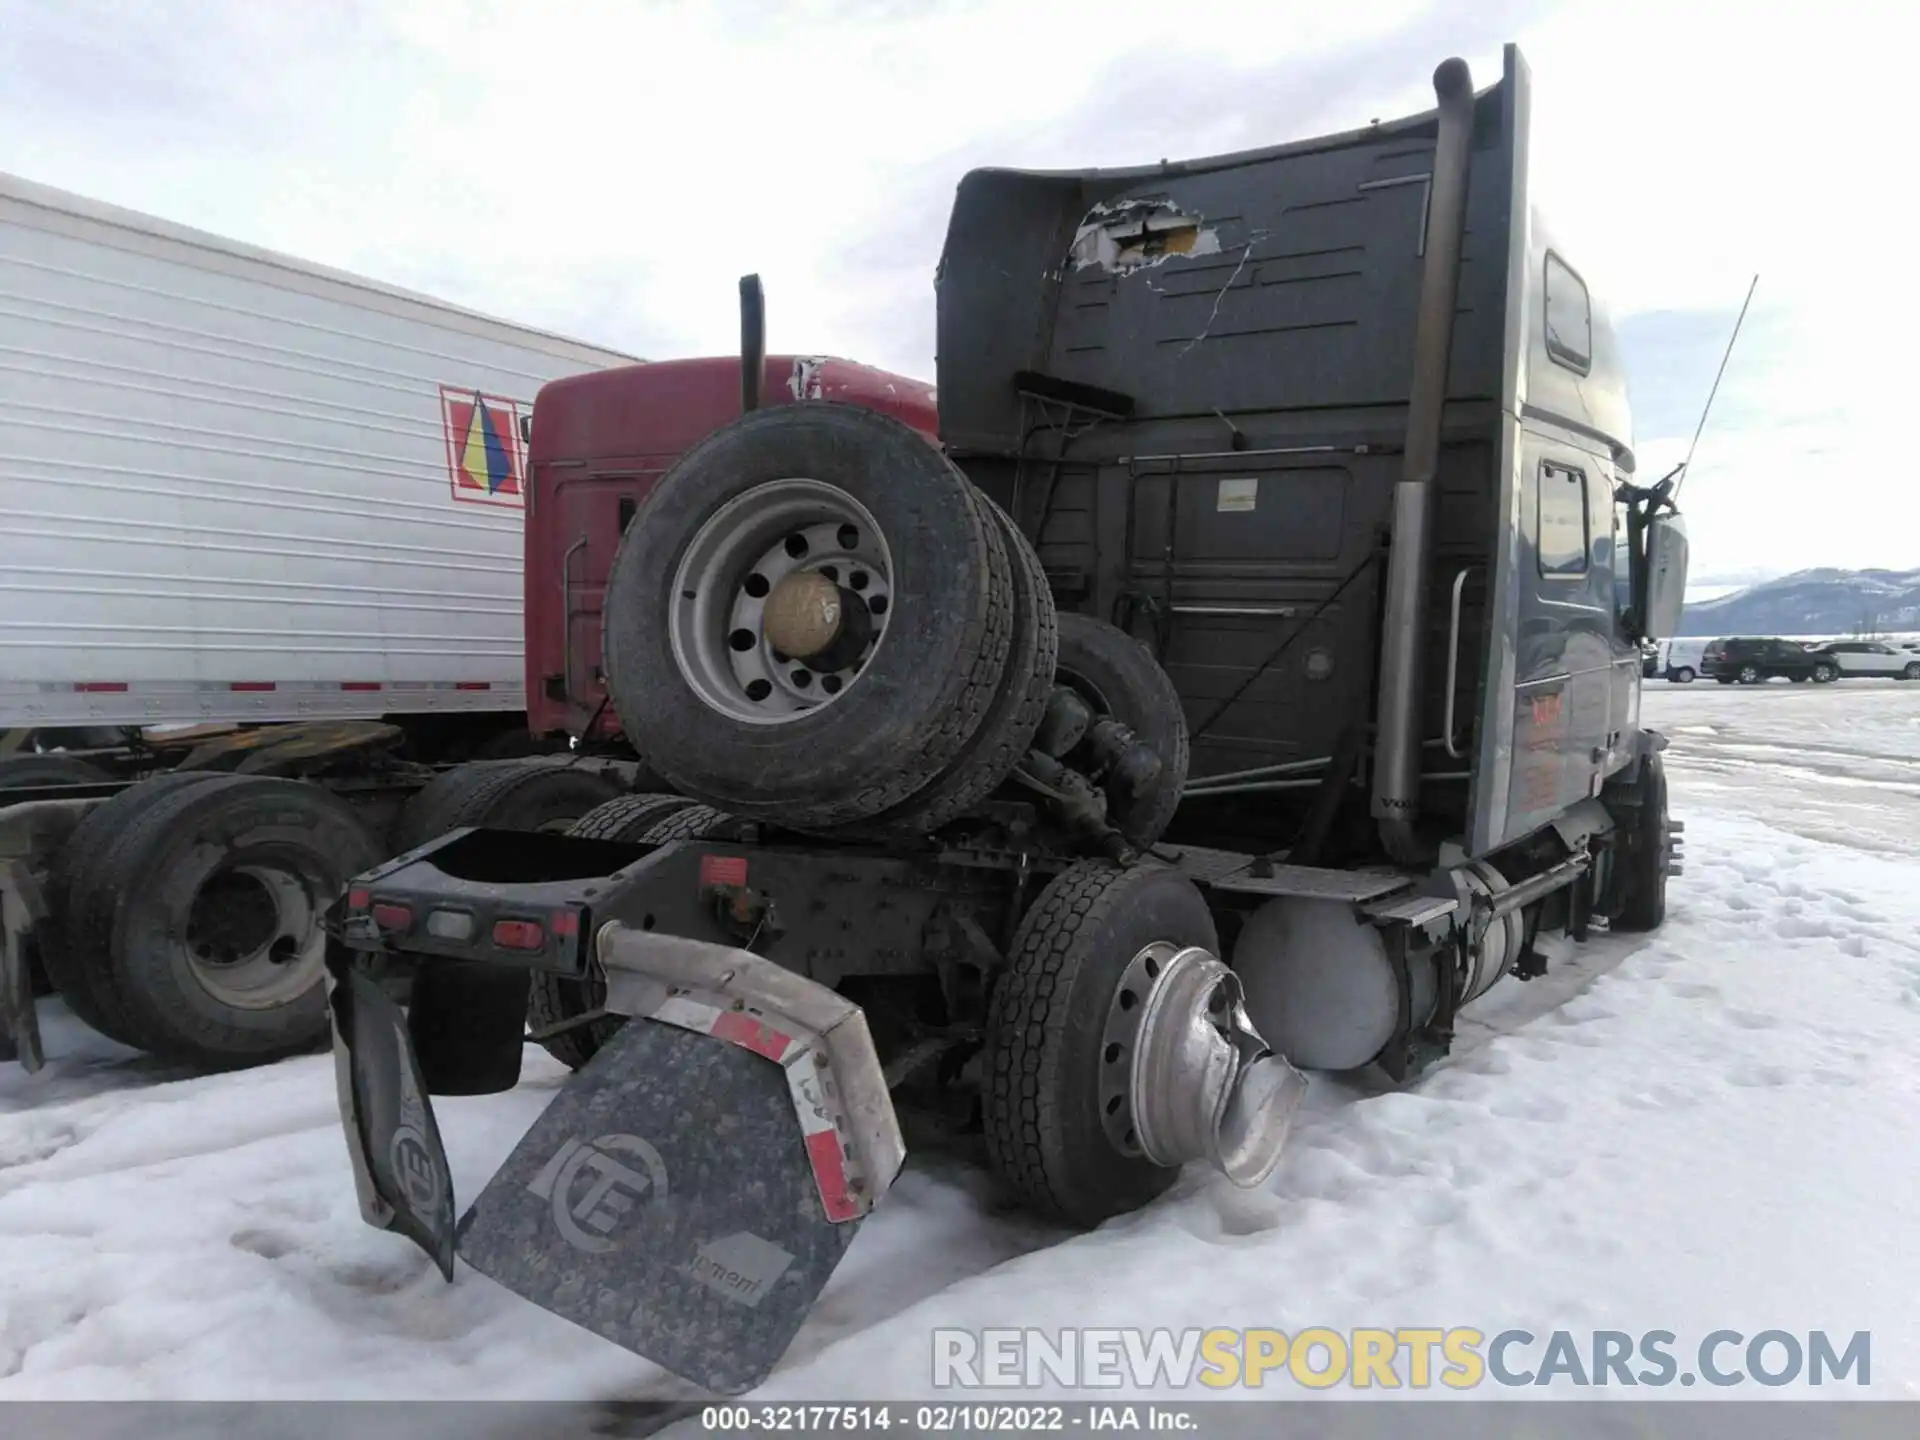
[738, 559]
[253, 937]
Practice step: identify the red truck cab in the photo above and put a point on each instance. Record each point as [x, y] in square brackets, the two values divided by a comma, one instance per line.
[598, 443]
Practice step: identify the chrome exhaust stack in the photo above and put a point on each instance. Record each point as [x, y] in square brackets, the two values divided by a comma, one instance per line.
[1396, 783]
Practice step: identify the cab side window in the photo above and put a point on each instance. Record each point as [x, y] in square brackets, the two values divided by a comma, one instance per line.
[1560, 513]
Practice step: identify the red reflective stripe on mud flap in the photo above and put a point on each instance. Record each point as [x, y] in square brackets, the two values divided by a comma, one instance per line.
[830, 1174]
[250, 685]
[826, 1152]
[101, 687]
[750, 1034]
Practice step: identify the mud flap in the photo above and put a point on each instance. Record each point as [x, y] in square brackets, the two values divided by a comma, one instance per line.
[20, 910]
[399, 1164]
[667, 1201]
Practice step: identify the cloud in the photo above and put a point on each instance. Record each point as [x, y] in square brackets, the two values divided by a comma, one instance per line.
[608, 168]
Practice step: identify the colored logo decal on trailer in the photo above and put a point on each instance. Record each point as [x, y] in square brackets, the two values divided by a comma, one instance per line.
[483, 447]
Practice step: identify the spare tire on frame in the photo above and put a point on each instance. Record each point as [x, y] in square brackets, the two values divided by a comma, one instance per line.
[809, 618]
[1001, 742]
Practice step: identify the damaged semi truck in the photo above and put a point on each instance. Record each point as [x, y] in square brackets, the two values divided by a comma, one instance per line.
[1245, 683]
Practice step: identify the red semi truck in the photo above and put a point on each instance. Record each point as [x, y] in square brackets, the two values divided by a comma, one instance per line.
[107, 894]
[598, 443]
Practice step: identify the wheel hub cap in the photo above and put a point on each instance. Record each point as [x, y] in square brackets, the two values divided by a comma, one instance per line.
[780, 601]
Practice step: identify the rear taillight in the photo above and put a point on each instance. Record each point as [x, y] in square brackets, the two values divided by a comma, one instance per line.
[397, 918]
[519, 935]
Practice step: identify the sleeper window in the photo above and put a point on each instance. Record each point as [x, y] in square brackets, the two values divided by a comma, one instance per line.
[1562, 536]
[1569, 317]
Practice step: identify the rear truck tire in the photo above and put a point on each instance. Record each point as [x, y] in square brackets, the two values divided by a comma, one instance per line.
[1003, 739]
[628, 817]
[1642, 865]
[1055, 1084]
[554, 999]
[1683, 676]
[18, 772]
[467, 1023]
[1115, 673]
[1825, 674]
[847, 538]
[533, 794]
[81, 977]
[1751, 675]
[206, 911]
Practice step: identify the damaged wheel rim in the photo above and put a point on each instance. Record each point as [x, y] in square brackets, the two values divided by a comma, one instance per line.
[1200, 1083]
[780, 601]
[252, 937]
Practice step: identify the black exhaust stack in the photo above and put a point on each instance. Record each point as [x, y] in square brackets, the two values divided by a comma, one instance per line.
[1396, 782]
[753, 341]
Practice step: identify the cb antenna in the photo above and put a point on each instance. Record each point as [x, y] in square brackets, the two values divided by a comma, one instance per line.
[1680, 476]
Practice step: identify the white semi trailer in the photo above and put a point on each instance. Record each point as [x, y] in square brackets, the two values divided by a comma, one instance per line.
[235, 486]
[256, 516]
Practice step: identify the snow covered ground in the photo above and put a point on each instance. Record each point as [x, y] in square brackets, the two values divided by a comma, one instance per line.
[1712, 1129]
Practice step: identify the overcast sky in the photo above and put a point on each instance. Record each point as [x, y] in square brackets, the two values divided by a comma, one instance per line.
[608, 170]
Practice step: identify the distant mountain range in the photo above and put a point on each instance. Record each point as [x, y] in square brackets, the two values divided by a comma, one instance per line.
[1813, 602]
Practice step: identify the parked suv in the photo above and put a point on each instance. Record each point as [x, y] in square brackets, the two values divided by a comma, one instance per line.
[1751, 661]
[1874, 657]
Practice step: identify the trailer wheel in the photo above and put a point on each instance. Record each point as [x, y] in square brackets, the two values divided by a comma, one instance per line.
[534, 794]
[1115, 673]
[1641, 902]
[206, 910]
[1002, 739]
[78, 976]
[809, 618]
[1055, 1079]
[17, 772]
[554, 1000]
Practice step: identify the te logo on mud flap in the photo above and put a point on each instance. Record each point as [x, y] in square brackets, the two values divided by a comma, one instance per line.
[592, 1186]
[414, 1170]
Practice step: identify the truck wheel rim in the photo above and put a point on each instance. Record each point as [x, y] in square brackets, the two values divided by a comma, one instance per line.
[252, 937]
[1120, 1039]
[718, 611]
